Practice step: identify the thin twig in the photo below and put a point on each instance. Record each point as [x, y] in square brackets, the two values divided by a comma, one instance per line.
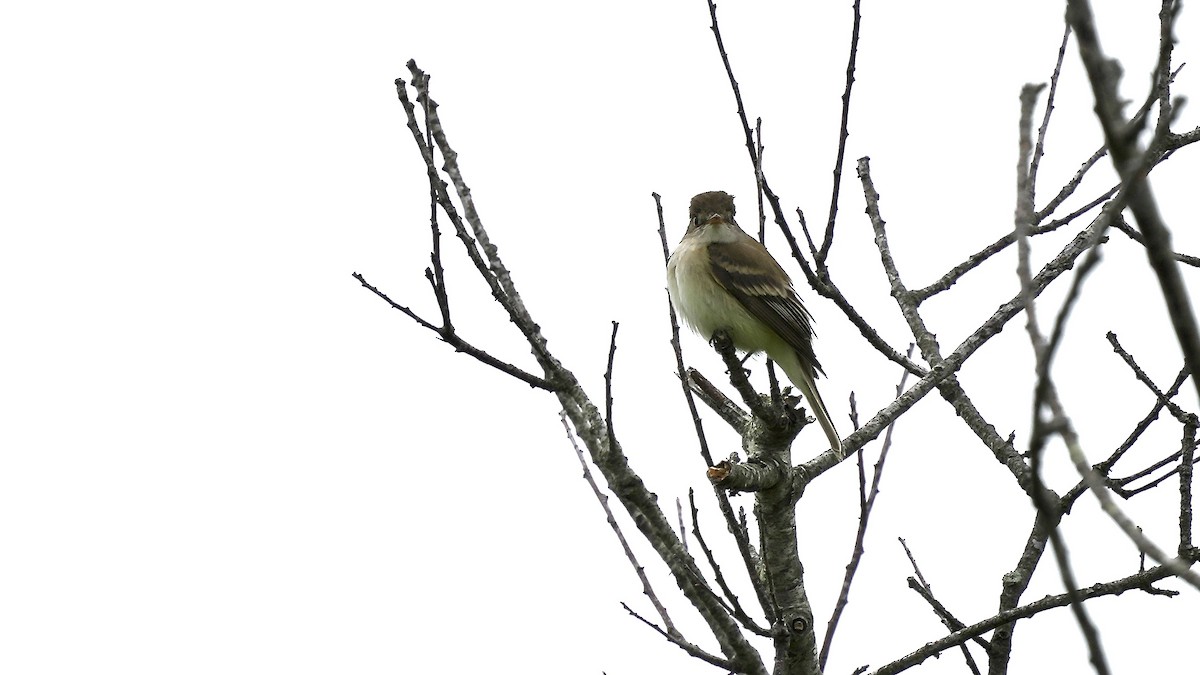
[1185, 487]
[1040, 148]
[686, 646]
[1159, 151]
[925, 339]
[926, 592]
[449, 336]
[735, 606]
[682, 527]
[758, 179]
[1045, 393]
[960, 270]
[958, 637]
[1138, 429]
[1137, 236]
[1069, 188]
[923, 589]
[1142, 377]
[866, 504]
[616, 528]
[1118, 484]
[608, 395]
[737, 92]
[438, 279]
[843, 134]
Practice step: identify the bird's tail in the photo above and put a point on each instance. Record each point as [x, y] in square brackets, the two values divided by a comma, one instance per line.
[802, 376]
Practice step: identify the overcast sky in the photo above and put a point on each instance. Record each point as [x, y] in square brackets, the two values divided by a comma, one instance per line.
[221, 454]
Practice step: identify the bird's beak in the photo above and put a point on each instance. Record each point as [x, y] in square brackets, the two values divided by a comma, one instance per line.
[715, 219]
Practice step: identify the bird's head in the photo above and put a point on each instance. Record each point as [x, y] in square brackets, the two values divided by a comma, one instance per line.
[710, 208]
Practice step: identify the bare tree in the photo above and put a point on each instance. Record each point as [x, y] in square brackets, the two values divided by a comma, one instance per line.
[769, 555]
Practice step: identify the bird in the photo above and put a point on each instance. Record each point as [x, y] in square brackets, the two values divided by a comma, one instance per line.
[720, 278]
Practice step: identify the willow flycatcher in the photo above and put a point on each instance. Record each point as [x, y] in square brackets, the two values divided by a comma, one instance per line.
[721, 278]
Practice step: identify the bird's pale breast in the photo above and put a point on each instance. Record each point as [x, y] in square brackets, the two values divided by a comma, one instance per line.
[705, 306]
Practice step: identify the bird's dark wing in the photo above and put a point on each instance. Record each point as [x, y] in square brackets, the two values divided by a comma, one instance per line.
[769, 297]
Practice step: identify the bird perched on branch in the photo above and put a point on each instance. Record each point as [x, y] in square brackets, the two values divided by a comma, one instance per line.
[721, 278]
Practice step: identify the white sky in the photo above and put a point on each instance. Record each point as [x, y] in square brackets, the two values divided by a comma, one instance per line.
[220, 454]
